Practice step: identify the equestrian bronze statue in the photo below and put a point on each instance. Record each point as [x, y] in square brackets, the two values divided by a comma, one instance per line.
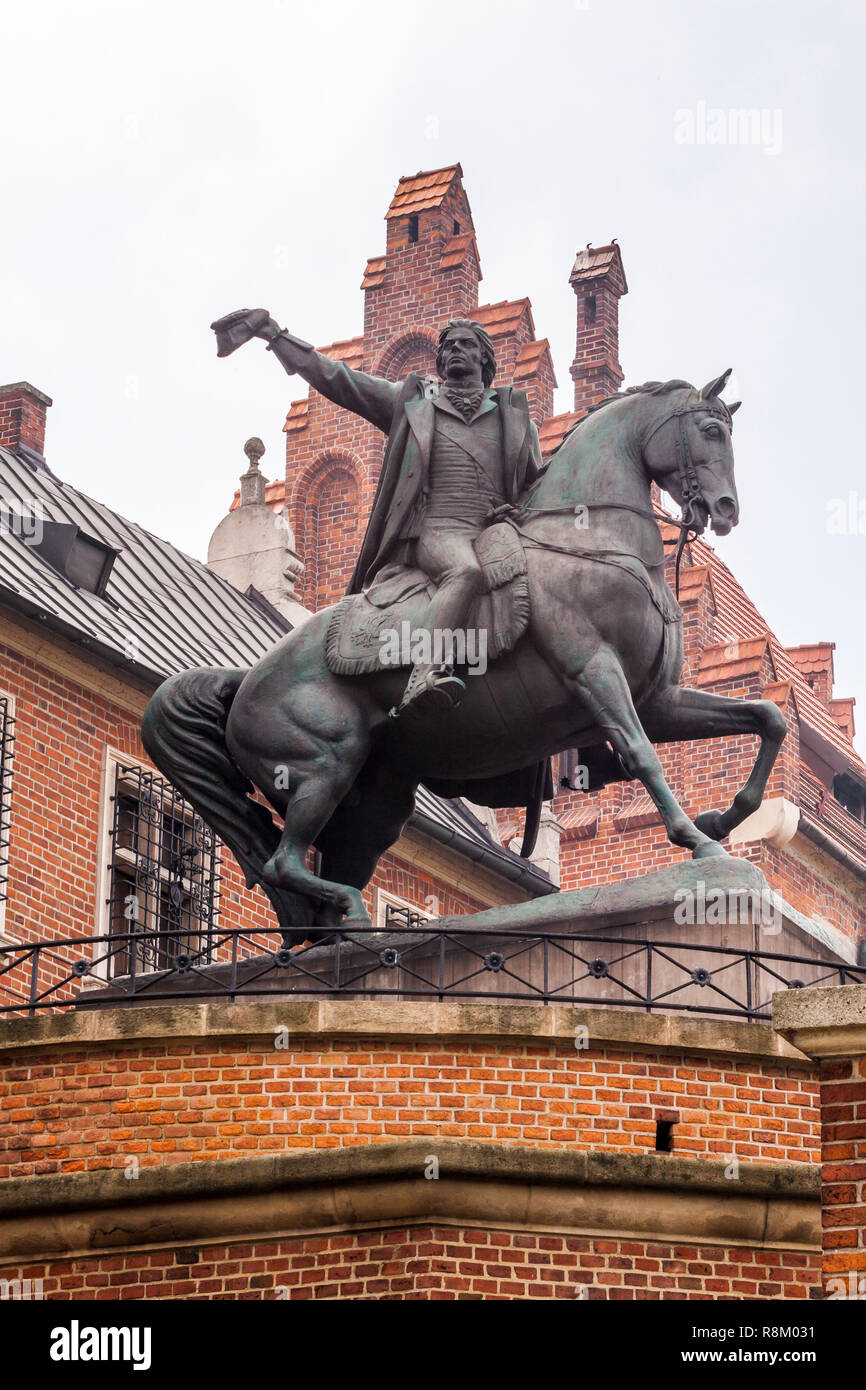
[559, 568]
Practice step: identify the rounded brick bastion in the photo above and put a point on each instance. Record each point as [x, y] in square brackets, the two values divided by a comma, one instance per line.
[363, 1149]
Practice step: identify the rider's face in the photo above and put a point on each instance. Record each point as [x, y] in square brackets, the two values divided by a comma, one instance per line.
[460, 357]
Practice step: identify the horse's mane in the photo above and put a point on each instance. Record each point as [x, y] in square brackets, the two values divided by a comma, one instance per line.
[652, 388]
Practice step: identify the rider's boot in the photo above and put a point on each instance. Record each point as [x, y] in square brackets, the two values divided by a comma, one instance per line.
[432, 688]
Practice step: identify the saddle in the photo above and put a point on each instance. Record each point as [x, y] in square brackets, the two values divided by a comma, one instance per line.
[373, 631]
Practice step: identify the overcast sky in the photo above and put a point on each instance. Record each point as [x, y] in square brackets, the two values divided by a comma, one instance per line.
[163, 163]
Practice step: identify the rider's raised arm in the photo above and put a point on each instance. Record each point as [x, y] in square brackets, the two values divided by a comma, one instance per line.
[370, 396]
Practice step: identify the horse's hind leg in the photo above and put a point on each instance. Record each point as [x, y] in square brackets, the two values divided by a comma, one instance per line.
[315, 795]
[362, 828]
[603, 689]
[677, 713]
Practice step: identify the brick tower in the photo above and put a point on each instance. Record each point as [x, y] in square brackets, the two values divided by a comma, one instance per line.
[430, 273]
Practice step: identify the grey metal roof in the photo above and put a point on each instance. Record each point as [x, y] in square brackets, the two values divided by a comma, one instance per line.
[163, 612]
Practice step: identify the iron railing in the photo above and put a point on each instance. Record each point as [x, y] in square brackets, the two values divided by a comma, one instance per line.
[428, 962]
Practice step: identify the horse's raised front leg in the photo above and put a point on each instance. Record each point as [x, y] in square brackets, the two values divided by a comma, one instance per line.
[603, 689]
[677, 714]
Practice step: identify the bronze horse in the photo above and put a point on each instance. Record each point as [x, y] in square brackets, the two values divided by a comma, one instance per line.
[598, 669]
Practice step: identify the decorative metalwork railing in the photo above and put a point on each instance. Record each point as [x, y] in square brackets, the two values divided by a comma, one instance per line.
[428, 962]
[164, 882]
[7, 739]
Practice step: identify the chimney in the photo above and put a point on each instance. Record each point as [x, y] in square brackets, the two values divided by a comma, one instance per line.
[814, 661]
[22, 419]
[598, 280]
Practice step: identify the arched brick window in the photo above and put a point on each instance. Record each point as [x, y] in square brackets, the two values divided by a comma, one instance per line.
[413, 351]
[332, 529]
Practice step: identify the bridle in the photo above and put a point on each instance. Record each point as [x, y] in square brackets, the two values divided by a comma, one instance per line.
[690, 525]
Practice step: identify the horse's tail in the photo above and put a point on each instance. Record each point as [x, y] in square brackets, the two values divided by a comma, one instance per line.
[183, 731]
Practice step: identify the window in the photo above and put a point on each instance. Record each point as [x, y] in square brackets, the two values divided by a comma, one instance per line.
[161, 874]
[850, 795]
[396, 912]
[7, 725]
[413, 227]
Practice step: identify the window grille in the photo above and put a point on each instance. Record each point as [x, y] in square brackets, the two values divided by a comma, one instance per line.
[7, 738]
[164, 880]
[397, 916]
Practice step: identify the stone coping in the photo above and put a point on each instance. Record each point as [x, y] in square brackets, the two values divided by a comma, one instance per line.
[650, 1196]
[420, 1021]
[825, 1022]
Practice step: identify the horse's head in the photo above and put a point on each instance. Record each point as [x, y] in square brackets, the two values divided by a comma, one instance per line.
[687, 450]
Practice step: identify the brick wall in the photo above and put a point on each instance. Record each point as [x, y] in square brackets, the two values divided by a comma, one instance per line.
[433, 1263]
[89, 1109]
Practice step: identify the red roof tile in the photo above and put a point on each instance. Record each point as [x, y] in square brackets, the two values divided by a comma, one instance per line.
[530, 358]
[457, 248]
[780, 692]
[597, 261]
[349, 350]
[374, 274]
[298, 416]
[427, 189]
[693, 580]
[732, 660]
[813, 657]
[579, 821]
[504, 317]
[842, 711]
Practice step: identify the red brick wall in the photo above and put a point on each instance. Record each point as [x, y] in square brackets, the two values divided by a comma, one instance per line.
[434, 1262]
[89, 1108]
[843, 1176]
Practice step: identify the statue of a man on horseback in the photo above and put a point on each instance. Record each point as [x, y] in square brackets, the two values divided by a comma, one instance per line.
[459, 455]
[592, 660]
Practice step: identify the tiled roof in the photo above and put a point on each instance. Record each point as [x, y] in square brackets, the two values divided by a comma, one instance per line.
[457, 248]
[503, 318]
[579, 821]
[530, 358]
[596, 261]
[553, 430]
[427, 189]
[374, 274]
[162, 611]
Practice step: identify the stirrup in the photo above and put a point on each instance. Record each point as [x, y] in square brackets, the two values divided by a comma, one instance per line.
[435, 690]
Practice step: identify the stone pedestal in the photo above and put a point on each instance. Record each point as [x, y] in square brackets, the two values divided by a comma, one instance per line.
[829, 1025]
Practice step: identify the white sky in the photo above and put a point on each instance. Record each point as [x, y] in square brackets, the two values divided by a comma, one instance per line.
[165, 163]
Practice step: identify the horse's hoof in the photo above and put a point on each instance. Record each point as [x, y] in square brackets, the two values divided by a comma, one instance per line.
[712, 850]
[710, 823]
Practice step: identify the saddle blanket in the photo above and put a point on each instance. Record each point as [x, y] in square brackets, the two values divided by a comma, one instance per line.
[382, 628]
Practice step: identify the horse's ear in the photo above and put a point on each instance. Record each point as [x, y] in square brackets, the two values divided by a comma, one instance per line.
[732, 409]
[715, 388]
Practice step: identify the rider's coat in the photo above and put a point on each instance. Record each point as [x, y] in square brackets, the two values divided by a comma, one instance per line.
[406, 411]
